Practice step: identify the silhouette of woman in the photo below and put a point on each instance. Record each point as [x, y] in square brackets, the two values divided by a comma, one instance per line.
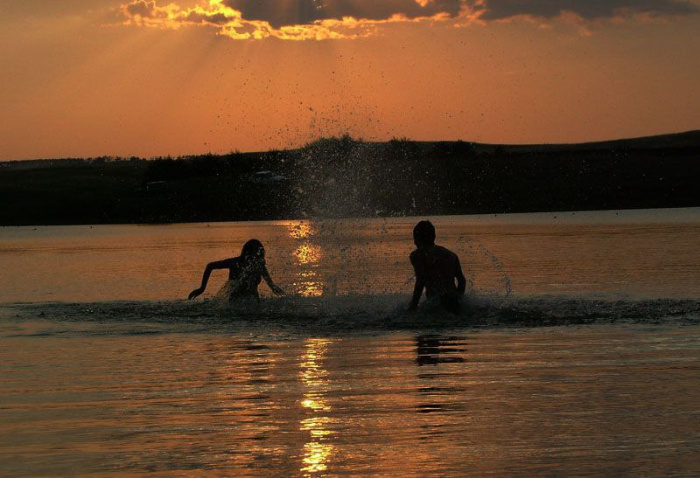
[245, 273]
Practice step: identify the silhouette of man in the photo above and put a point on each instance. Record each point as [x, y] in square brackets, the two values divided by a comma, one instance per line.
[437, 269]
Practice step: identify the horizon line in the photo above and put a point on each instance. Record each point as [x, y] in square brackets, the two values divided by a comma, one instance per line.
[359, 140]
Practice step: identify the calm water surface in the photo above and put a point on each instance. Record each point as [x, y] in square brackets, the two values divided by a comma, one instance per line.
[106, 371]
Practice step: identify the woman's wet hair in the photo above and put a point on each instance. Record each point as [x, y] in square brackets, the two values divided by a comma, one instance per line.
[424, 233]
[252, 248]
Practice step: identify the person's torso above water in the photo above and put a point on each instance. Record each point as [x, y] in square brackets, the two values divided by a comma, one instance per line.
[438, 267]
[245, 275]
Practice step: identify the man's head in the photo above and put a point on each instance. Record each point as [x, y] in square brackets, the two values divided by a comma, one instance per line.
[424, 234]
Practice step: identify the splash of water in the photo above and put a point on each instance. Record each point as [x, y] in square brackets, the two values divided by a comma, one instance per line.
[475, 253]
[314, 316]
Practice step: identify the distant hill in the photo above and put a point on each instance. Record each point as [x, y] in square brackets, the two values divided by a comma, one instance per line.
[343, 177]
[688, 139]
[666, 141]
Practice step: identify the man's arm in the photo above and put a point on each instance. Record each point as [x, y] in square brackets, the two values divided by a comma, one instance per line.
[205, 278]
[420, 281]
[417, 293]
[461, 280]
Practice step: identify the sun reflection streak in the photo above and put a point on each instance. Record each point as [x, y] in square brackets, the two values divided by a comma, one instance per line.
[308, 253]
[309, 285]
[300, 230]
[317, 451]
[308, 256]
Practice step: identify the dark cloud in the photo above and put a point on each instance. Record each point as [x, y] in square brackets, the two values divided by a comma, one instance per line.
[588, 9]
[193, 16]
[303, 12]
[141, 7]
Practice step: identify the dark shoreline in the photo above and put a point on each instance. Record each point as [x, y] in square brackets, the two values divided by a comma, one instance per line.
[342, 177]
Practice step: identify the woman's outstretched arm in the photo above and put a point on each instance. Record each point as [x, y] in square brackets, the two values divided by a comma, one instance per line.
[205, 278]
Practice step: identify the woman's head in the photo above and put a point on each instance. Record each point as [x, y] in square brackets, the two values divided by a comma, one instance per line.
[253, 248]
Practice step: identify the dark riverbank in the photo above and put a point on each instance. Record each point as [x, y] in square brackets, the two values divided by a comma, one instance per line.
[341, 177]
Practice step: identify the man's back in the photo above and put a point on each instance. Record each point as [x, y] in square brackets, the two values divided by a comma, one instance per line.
[438, 268]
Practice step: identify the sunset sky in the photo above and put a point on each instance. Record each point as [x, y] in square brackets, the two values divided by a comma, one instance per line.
[84, 78]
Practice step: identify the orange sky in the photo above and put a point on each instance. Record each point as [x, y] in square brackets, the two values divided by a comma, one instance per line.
[84, 78]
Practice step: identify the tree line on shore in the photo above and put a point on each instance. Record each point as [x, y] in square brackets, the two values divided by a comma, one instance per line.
[344, 177]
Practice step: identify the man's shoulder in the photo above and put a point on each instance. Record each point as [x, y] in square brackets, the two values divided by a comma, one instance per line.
[446, 256]
[445, 252]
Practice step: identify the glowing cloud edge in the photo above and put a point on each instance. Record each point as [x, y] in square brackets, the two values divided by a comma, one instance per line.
[230, 22]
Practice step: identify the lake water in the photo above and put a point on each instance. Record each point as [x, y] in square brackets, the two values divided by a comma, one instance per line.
[578, 352]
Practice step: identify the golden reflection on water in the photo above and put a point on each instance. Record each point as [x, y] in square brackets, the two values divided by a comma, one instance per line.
[308, 253]
[300, 230]
[317, 451]
[308, 256]
[309, 285]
